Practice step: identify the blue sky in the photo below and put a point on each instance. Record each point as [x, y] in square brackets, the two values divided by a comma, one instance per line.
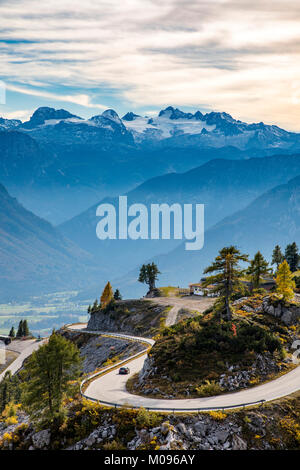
[237, 56]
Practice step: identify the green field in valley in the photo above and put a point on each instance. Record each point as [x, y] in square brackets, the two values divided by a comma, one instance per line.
[44, 313]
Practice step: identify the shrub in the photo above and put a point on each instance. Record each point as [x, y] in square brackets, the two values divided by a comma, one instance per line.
[209, 389]
[217, 415]
[145, 418]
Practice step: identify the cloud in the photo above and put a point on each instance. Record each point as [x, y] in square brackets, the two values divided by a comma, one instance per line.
[21, 114]
[240, 56]
[82, 100]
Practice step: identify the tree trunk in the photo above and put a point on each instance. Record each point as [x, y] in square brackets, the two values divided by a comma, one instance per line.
[228, 310]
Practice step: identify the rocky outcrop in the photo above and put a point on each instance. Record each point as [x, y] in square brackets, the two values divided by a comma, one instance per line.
[96, 350]
[148, 370]
[289, 314]
[197, 432]
[103, 433]
[136, 317]
[41, 439]
[262, 367]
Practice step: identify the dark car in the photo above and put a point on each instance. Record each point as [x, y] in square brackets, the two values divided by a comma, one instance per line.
[5, 339]
[124, 370]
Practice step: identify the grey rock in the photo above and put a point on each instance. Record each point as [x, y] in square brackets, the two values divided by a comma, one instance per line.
[41, 439]
[222, 435]
[238, 443]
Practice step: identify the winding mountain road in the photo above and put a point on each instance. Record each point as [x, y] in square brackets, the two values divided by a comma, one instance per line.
[25, 352]
[110, 387]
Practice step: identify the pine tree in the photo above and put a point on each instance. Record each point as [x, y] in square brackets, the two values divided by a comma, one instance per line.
[258, 267]
[107, 295]
[95, 306]
[227, 280]
[12, 333]
[285, 282]
[89, 309]
[117, 295]
[20, 329]
[50, 376]
[25, 329]
[10, 390]
[148, 275]
[277, 256]
[292, 256]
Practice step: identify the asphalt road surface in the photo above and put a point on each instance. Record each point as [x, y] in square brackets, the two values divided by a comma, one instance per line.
[111, 388]
[25, 351]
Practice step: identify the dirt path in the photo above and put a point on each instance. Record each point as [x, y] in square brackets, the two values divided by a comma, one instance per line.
[192, 302]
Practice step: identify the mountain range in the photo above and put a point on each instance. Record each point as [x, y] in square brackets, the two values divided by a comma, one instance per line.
[68, 163]
[223, 186]
[61, 167]
[272, 218]
[34, 257]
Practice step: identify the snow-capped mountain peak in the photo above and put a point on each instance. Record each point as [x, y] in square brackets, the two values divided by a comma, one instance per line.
[130, 116]
[6, 124]
[174, 113]
[48, 115]
[112, 115]
[170, 126]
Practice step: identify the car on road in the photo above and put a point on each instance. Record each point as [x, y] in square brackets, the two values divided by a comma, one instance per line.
[124, 370]
[6, 340]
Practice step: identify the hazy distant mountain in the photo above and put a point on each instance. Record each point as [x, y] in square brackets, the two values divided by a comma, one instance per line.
[80, 161]
[273, 218]
[21, 159]
[58, 170]
[35, 257]
[224, 186]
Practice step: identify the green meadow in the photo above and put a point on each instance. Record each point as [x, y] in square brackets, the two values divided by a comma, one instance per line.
[44, 313]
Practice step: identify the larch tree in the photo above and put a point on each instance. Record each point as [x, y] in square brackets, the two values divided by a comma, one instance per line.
[285, 282]
[258, 267]
[107, 295]
[227, 279]
[51, 375]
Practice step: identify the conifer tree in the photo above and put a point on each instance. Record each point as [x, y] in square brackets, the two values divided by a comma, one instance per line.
[292, 256]
[148, 275]
[50, 376]
[95, 306]
[10, 390]
[227, 280]
[277, 256]
[258, 267]
[285, 282]
[12, 333]
[117, 295]
[20, 329]
[25, 329]
[107, 295]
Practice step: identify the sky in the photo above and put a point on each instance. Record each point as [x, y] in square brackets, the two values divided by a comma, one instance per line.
[237, 56]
